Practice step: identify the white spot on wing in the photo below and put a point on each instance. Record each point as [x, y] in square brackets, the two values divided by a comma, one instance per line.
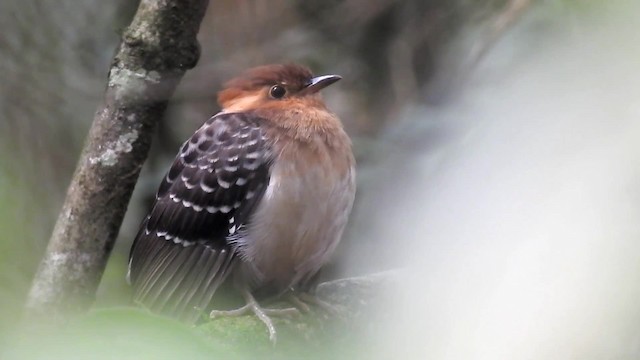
[174, 239]
[206, 188]
[186, 152]
[224, 184]
[250, 142]
[251, 165]
[212, 209]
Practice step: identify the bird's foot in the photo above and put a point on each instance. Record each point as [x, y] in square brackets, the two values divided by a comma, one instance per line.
[264, 314]
[303, 301]
[248, 308]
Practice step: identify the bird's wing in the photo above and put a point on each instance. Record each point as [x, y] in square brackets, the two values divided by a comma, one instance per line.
[182, 252]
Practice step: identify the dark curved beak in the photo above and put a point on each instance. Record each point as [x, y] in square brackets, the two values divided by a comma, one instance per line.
[320, 82]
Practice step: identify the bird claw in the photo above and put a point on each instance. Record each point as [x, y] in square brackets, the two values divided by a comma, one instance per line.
[303, 300]
[300, 301]
[264, 314]
[246, 309]
[229, 313]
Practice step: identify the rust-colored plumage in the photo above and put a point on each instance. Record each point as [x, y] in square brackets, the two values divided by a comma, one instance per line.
[294, 76]
[260, 194]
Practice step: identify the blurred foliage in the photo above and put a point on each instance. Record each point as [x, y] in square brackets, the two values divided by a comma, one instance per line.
[129, 333]
[116, 333]
[17, 258]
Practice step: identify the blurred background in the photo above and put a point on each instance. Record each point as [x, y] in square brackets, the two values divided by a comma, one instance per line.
[497, 141]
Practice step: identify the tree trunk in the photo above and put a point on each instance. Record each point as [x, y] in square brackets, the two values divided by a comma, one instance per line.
[156, 50]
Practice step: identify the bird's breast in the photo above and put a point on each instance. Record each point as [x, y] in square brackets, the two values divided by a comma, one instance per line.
[302, 215]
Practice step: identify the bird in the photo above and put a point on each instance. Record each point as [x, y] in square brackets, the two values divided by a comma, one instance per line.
[258, 196]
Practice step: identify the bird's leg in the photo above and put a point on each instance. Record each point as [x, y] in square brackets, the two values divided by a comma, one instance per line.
[302, 300]
[295, 301]
[230, 313]
[314, 300]
[261, 313]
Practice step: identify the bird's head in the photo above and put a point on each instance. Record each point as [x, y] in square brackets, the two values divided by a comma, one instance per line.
[273, 86]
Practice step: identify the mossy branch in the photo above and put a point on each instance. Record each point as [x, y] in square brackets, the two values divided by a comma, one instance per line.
[317, 334]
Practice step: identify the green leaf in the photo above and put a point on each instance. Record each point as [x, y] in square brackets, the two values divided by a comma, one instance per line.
[119, 333]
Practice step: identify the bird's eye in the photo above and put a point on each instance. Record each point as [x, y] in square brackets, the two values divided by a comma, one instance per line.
[277, 91]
